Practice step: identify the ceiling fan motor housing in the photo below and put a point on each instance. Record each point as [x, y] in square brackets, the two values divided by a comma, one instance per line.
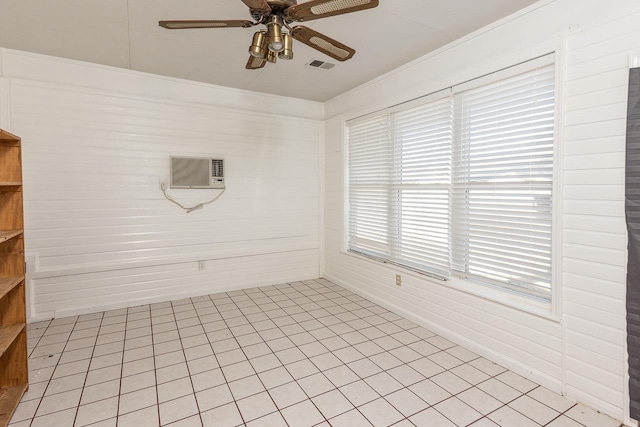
[281, 4]
[277, 8]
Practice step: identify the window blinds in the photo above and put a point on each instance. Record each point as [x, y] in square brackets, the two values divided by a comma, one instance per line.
[370, 177]
[422, 164]
[503, 181]
[460, 184]
[399, 186]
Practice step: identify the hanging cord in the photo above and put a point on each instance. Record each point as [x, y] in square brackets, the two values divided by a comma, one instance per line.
[163, 187]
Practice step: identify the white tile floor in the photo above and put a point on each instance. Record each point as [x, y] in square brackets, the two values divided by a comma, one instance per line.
[302, 354]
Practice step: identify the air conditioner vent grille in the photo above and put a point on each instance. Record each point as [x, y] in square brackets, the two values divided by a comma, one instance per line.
[190, 172]
[217, 168]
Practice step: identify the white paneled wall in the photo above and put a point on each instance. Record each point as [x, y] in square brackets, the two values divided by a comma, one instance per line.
[581, 349]
[97, 142]
[594, 262]
[100, 234]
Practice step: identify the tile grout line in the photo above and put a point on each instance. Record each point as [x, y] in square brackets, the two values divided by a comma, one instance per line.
[153, 354]
[249, 361]
[124, 349]
[88, 370]
[450, 370]
[365, 357]
[278, 409]
[306, 358]
[311, 361]
[279, 327]
[263, 341]
[39, 338]
[54, 370]
[47, 386]
[186, 361]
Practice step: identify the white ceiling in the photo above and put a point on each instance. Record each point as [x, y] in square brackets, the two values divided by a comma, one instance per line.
[125, 33]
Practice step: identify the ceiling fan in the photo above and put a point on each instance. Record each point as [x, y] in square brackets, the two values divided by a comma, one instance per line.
[272, 42]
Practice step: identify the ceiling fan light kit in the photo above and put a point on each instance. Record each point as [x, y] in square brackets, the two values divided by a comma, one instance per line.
[274, 31]
[273, 41]
[259, 45]
[287, 52]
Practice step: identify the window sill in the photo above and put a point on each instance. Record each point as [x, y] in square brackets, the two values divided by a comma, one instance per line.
[518, 302]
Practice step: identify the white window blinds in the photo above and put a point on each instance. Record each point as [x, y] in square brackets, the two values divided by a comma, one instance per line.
[422, 164]
[460, 184]
[399, 186]
[503, 181]
[370, 178]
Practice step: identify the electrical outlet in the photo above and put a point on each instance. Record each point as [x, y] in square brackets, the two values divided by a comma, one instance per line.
[398, 280]
[201, 265]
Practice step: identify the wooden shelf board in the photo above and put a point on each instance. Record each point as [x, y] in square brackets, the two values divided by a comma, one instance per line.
[8, 335]
[9, 399]
[9, 234]
[8, 136]
[8, 283]
[9, 184]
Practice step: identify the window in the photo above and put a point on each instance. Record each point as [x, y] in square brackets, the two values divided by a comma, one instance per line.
[460, 184]
[399, 186]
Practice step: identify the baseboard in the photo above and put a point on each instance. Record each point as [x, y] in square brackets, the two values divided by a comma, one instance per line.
[587, 400]
[144, 301]
[536, 376]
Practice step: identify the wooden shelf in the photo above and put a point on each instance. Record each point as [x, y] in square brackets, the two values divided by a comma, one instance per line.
[8, 283]
[9, 234]
[14, 373]
[13, 187]
[9, 399]
[8, 335]
[8, 136]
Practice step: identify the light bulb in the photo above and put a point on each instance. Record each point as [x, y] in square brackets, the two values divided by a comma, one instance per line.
[274, 31]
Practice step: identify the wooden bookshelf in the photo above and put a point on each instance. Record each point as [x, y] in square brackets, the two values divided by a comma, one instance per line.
[8, 335]
[13, 335]
[9, 137]
[9, 399]
[8, 283]
[9, 234]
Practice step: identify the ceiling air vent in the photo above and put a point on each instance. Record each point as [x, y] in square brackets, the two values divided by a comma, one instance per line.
[321, 65]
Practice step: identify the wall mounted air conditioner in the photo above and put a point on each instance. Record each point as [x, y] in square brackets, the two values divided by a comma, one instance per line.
[197, 172]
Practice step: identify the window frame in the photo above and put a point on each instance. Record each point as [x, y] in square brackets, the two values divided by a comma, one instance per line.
[550, 309]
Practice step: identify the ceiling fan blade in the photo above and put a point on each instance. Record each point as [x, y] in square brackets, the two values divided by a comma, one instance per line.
[256, 63]
[316, 9]
[258, 5]
[324, 44]
[184, 25]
